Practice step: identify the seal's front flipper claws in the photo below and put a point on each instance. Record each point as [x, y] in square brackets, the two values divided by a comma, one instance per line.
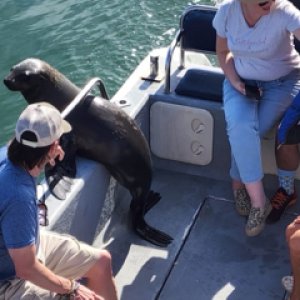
[153, 235]
[57, 186]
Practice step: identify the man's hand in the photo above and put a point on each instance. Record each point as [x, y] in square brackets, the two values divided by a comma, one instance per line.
[56, 151]
[297, 221]
[83, 293]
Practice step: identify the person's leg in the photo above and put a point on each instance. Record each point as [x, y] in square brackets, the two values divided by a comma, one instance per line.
[17, 289]
[257, 216]
[68, 257]
[100, 279]
[293, 240]
[241, 115]
[256, 192]
[287, 158]
[278, 95]
[241, 197]
[248, 121]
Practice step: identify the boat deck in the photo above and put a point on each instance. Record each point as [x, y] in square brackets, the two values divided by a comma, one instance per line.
[210, 258]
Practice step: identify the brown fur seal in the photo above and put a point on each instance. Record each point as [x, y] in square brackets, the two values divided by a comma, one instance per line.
[102, 132]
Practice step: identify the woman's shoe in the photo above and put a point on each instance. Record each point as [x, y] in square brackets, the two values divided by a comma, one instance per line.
[257, 218]
[242, 201]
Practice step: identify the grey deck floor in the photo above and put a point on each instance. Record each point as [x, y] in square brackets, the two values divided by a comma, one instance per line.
[210, 258]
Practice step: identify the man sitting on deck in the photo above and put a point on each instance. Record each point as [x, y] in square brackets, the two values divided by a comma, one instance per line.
[38, 264]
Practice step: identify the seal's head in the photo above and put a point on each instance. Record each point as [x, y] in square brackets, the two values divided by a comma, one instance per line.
[37, 80]
[24, 75]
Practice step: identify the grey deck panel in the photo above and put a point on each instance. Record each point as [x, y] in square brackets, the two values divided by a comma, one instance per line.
[220, 262]
[217, 261]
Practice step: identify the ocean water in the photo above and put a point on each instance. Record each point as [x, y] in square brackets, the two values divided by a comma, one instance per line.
[82, 39]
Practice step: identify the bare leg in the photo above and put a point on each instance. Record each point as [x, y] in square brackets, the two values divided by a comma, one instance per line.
[236, 184]
[287, 160]
[255, 191]
[100, 278]
[256, 194]
[287, 157]
[293, 240]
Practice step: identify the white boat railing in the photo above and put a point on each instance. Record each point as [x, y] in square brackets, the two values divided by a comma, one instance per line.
[169, 60]
[84, 92]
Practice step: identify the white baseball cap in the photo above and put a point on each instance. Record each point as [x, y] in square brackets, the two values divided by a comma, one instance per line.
[44, 121]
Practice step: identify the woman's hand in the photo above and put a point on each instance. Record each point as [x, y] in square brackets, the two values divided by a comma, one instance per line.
[239, 86]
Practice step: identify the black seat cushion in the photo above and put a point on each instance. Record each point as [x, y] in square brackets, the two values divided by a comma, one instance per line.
[204, 84]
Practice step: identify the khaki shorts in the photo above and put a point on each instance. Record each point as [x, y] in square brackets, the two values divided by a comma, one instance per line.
[62, 254]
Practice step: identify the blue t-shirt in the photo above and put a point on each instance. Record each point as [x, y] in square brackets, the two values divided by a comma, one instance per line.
[18, 212]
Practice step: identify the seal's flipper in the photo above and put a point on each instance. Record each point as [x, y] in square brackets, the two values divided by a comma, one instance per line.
[151, 234]
[59, 177]
[58, 185]
[68, 164]
[57, 188]
[139, 206]
[153, 199]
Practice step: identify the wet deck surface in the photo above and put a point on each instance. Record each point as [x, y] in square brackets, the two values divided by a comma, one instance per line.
[210, 258]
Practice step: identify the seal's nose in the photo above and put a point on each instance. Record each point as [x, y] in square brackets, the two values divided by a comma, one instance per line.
[9, 83]
[6, 81]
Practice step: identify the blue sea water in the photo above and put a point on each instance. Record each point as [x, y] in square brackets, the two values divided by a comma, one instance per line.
[82, 39]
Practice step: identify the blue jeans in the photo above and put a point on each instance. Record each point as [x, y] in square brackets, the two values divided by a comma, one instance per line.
[248, 120]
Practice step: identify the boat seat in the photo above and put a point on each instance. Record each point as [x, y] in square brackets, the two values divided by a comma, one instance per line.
[197, 34]
[202, 84]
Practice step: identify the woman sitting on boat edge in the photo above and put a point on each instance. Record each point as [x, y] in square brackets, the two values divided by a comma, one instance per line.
[262, 70]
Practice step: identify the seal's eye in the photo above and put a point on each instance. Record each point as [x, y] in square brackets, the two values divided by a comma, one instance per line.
[23, 77]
